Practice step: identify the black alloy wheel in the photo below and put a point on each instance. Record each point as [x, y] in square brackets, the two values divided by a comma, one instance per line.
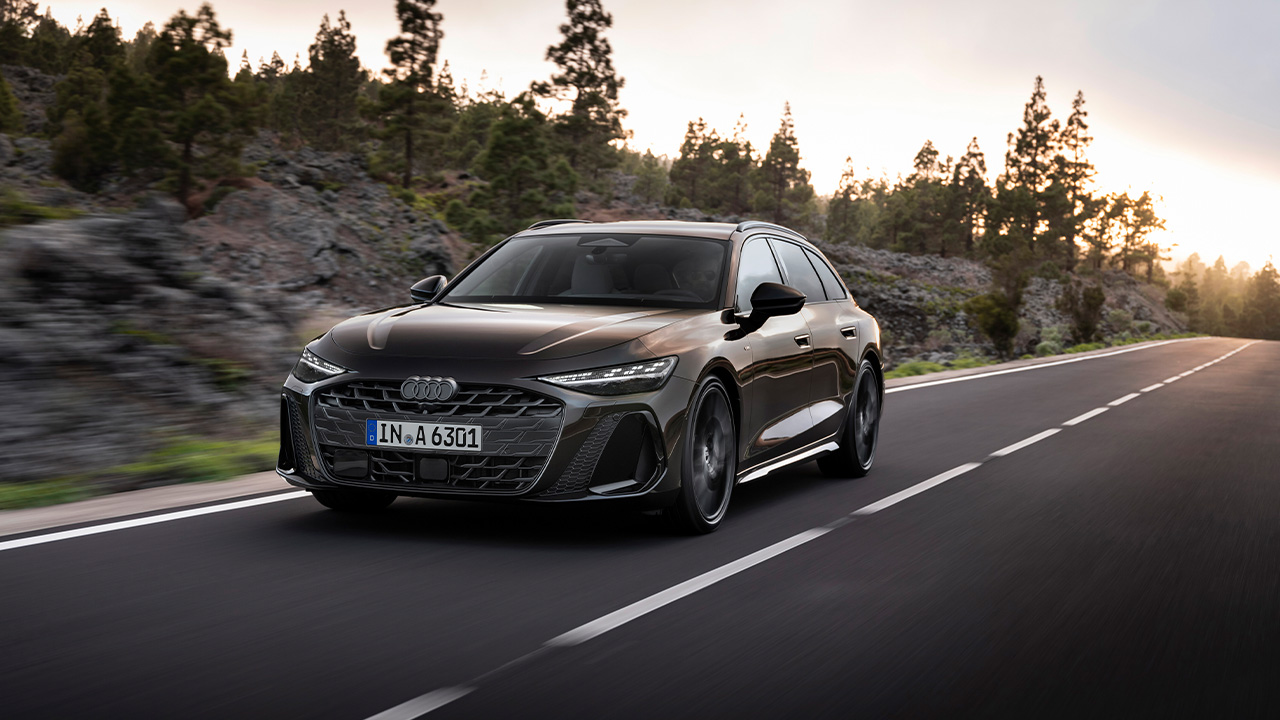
[710, 461]
[861, 431]
[354, 501]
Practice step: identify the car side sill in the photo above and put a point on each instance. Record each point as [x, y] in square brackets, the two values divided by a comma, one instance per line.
[778, 464]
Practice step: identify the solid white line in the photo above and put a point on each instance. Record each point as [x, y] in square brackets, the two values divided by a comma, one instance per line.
[422, 705]
[1025, 368]
[1149, 388]
[643, 607]
[1024, 443]
[1120, 401]
[1081, 418]
[149, 520]
[916, 489]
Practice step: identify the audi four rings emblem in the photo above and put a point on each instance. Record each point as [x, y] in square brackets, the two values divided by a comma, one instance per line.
[428, 388]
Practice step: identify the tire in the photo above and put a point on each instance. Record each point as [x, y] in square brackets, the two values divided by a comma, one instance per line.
[354, 501]
[709, 465]
[861, 431]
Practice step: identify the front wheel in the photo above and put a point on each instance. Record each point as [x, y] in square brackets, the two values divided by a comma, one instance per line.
[861, 430]
[710, 462]
[355, 501]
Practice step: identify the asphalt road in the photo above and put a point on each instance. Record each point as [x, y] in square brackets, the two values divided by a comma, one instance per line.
[1127, 565]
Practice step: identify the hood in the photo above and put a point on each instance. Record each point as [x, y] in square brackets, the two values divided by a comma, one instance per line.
[498, 331]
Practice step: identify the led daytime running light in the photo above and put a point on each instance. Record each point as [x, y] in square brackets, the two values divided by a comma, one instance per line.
[618, 380]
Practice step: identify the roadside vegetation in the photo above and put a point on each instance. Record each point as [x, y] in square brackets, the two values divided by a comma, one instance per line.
[179, 460]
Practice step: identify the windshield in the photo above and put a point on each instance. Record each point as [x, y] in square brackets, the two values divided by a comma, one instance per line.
[603, 269]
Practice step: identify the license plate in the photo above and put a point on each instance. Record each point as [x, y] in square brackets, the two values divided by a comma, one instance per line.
[422, 436]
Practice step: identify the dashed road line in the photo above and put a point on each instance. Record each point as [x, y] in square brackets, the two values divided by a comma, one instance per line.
[1081, 418]
[1149, 388]
[1120, 401]
[1024, 443]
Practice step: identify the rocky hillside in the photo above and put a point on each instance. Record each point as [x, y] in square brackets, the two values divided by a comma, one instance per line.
[123, 334]
[918, 300]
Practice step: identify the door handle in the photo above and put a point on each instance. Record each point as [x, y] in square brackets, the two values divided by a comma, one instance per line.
[850, 332]
[802, 341]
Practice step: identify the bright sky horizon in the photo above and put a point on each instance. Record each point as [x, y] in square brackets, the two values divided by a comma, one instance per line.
[1183, 97]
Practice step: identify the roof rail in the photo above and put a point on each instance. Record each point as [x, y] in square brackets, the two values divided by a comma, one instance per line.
[556, 221]
[750, 224]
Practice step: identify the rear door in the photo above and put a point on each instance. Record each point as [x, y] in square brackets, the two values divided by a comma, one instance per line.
[833, 330]
[776, 415]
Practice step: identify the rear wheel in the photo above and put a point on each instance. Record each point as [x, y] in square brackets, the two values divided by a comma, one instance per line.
[345, 500]
[861, 430]
[710, 462]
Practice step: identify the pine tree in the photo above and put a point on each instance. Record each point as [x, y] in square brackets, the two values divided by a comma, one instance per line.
[194, 104]
[783, 192]
[16, 19]
[1028, 166]
[729, 173]
[1073, 172]
[335, 79]
[691, 172]
[10, 115]
[971, 194]
[1263, 303]
[589, 81]
[413, 56]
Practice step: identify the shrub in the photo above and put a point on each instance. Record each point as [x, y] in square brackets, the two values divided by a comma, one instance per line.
[997, 318]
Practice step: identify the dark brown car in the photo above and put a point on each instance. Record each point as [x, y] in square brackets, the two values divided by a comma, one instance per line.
[654, 362]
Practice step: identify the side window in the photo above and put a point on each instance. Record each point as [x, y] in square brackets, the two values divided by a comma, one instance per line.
[755, 266]
[800, 274]
[830, 283]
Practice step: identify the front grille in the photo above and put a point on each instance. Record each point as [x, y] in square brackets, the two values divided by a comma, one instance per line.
[466, 472]
[519, 430]
[472, 401]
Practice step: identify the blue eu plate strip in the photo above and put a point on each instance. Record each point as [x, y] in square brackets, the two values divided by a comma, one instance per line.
[371, 432]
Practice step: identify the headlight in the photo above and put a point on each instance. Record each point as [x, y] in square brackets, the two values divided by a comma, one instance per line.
[618, 380]
[313, 368]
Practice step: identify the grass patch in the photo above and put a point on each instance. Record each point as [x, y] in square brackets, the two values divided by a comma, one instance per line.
[964, 362]
[911, 369]
[16, 210]
[181, 460]
[190, 459]
[1083, 347]
[14, 496]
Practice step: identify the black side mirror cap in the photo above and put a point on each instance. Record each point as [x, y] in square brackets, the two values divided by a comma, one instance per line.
[773, 299]
[767, 300]
[427, 289]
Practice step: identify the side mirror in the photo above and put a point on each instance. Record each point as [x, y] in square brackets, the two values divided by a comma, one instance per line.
[427, 289]
[772, 299]
[768, 300]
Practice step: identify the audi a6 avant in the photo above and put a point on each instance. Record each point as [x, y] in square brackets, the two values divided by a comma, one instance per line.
[659, 363]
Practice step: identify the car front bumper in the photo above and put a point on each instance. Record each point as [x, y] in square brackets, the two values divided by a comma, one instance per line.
[541, 443]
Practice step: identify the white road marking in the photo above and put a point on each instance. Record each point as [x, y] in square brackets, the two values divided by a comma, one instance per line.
[1081, 418]
[1120, 401]
[1025, 368]
[423, 704]
[1173, 379]
[916, 489]
[1024, 443]
[617, 618]
[1185, 374]
[1149, 388]
[148, 520]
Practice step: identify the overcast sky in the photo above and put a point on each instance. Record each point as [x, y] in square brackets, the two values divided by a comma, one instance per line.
[1183, 97]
